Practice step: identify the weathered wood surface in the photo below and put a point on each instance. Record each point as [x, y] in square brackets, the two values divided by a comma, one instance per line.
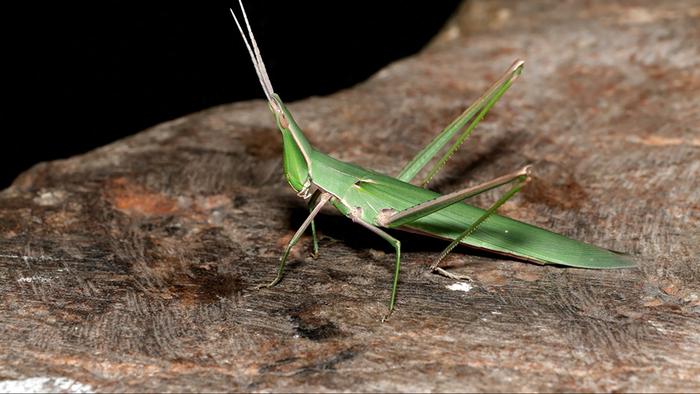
[132, 267]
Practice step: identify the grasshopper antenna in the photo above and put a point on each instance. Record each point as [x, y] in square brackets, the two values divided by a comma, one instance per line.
[254, 53]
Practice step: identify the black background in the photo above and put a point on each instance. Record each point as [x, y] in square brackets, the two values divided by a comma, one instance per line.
[78, 76]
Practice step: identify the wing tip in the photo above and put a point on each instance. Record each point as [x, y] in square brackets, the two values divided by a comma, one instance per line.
[614, 261]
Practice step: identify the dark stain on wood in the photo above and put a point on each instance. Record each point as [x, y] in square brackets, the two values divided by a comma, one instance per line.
[564, 192]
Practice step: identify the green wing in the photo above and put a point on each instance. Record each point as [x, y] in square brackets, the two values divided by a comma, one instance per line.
[499, 234]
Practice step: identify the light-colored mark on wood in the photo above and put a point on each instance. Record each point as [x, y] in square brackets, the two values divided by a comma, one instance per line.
[460, 286]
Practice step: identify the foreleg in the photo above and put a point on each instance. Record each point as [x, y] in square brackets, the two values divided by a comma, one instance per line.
[323, 199]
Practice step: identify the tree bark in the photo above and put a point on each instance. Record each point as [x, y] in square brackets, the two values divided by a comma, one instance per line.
[133, 267]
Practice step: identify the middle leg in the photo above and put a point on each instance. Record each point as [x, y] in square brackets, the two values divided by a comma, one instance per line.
[313, 202]
[397, 267]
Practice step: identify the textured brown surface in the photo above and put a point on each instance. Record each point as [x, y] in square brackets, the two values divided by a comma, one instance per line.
[132, 267]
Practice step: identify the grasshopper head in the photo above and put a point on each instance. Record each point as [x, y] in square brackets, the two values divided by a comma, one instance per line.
[280, 112]
[296, 147]
[282, 116]
[296, 150]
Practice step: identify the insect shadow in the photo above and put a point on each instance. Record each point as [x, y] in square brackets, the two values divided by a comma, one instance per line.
[333, 227]
[496, 149]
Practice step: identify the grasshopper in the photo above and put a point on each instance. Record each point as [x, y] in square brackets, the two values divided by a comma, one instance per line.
[378, 202]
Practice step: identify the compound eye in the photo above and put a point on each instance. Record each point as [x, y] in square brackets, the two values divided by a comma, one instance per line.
[283, 120]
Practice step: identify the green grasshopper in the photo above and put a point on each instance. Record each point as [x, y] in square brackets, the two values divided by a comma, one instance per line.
[377, 201]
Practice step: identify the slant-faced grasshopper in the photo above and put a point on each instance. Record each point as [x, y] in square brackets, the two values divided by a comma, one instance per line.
[377, 201]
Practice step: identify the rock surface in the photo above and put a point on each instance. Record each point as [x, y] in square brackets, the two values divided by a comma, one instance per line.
[132, 267]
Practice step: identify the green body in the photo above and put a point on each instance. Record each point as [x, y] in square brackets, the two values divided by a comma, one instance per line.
[355, 187]
[375, 200]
